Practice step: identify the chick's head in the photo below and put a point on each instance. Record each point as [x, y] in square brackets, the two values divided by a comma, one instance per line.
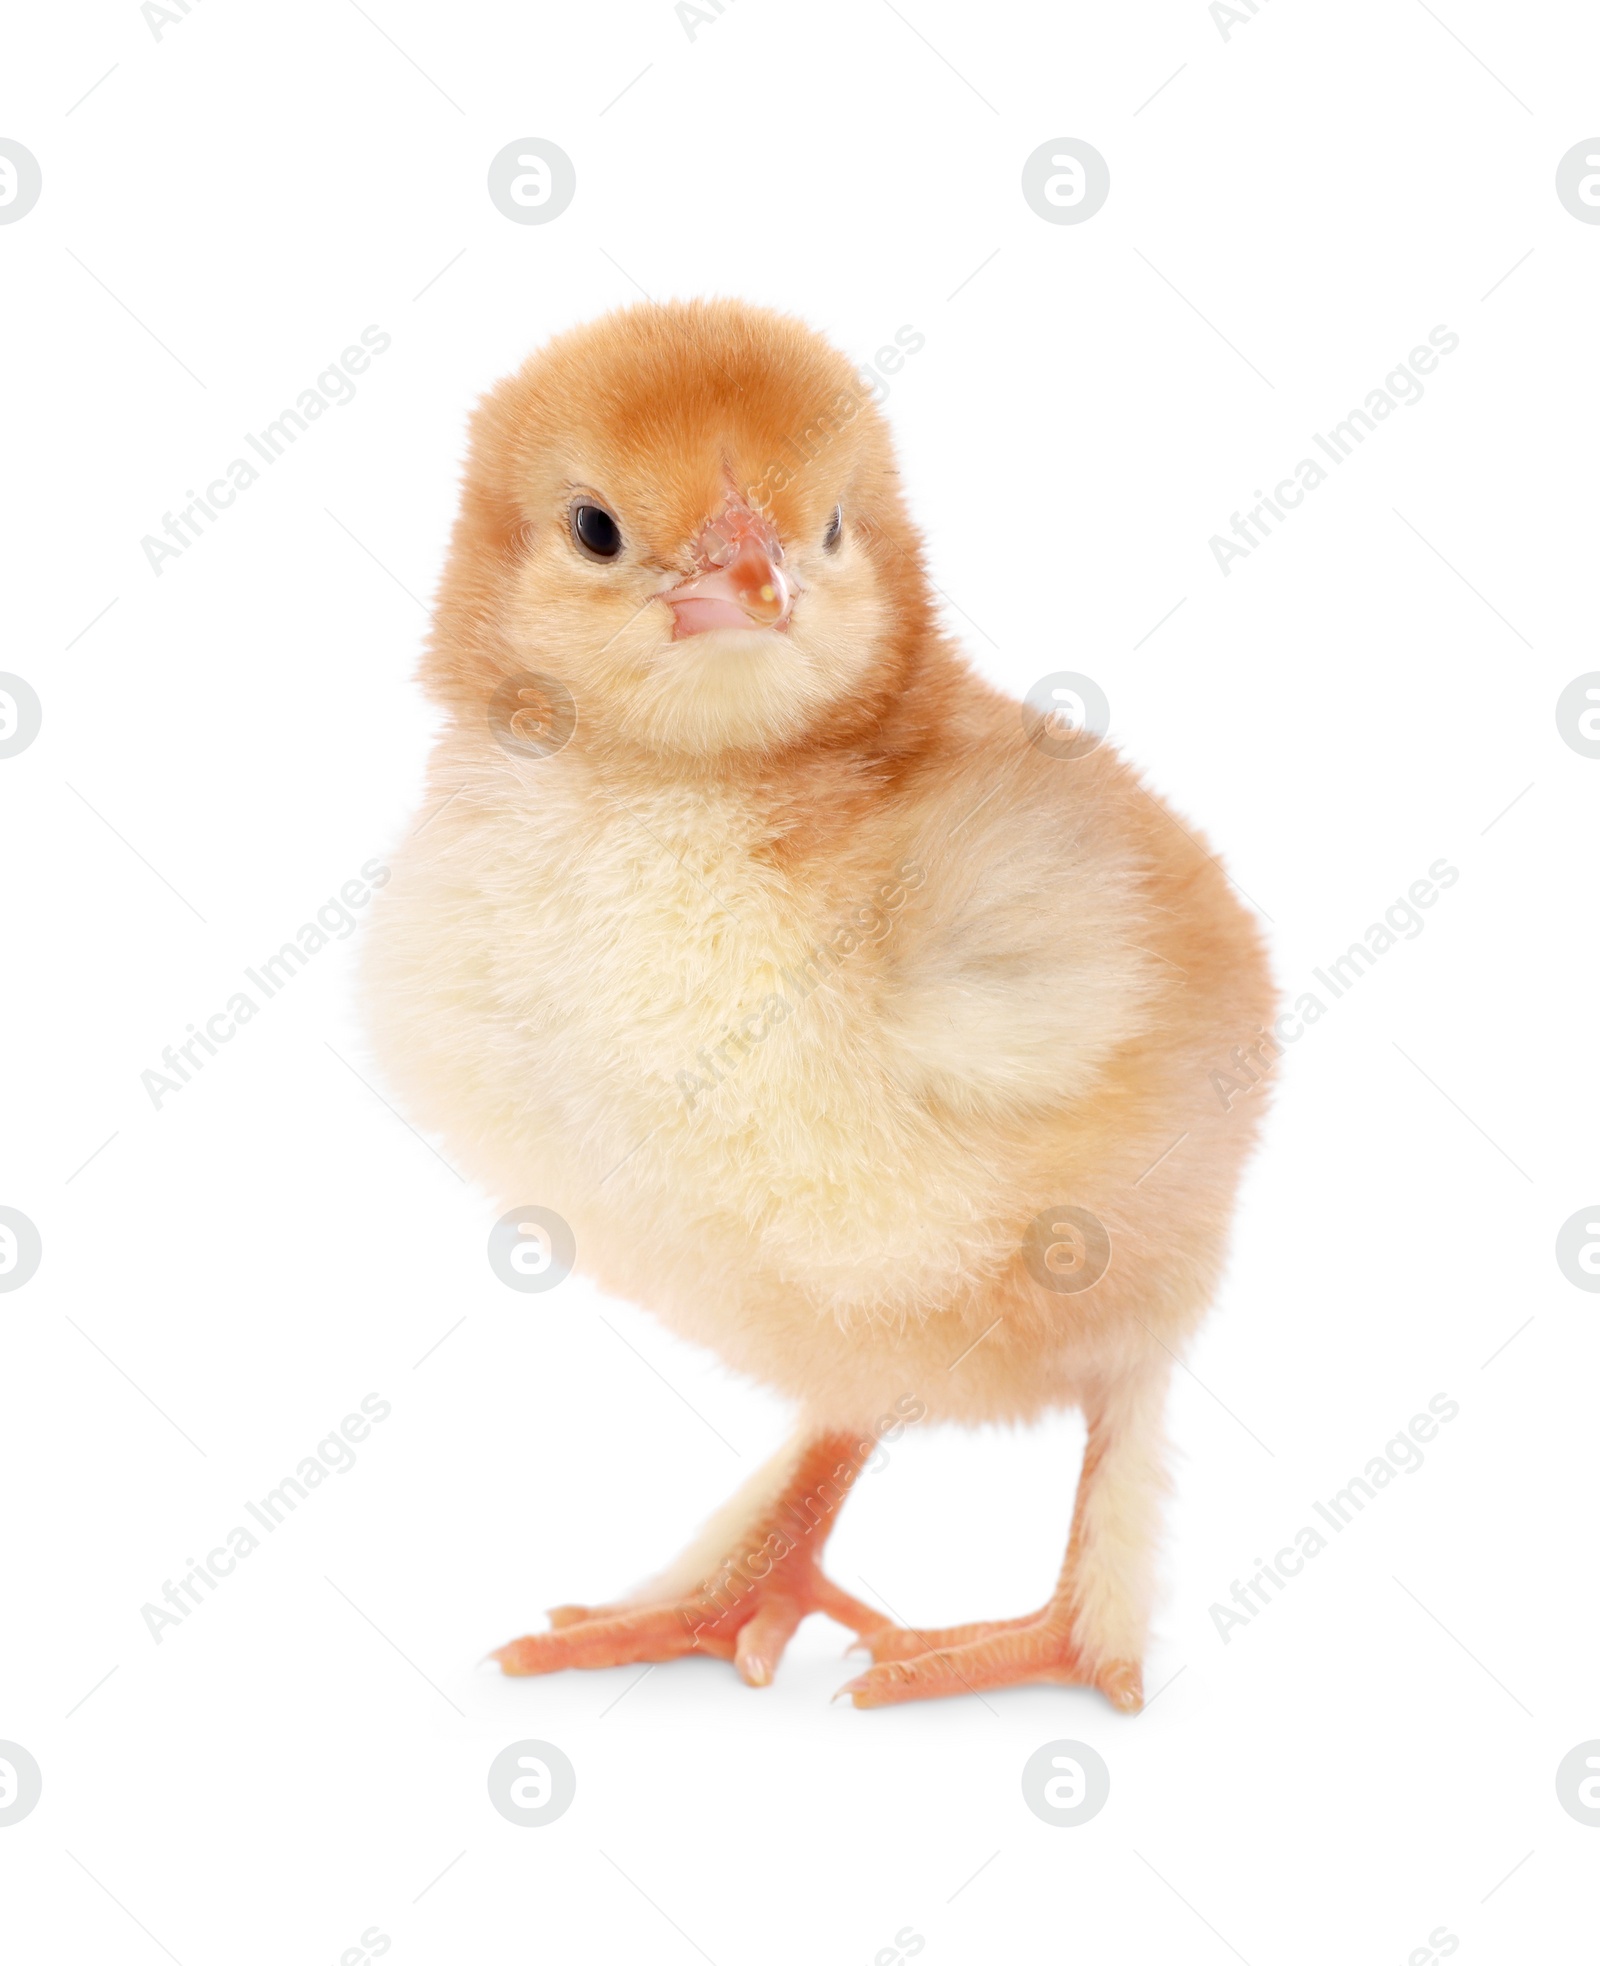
[690, 516]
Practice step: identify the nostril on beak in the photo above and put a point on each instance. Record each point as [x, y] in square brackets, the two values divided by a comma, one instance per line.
[717, 548]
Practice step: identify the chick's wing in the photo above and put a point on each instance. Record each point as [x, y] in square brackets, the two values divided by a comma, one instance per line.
[1020, 964]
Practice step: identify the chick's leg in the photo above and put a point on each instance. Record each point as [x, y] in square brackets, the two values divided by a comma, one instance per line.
[741, 1588]
[1092, 1632]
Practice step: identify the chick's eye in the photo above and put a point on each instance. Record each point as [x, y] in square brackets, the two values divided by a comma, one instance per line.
[835, 532]
[596, 532]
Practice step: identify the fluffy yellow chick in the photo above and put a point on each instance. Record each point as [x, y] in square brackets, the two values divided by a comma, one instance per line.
[859, 1020]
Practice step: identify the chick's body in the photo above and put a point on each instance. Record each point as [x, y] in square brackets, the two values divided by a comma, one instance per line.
[849, 1025]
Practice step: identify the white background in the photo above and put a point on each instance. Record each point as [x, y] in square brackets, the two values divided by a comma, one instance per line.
[227, 743]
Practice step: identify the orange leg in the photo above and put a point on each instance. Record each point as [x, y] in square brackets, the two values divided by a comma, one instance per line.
[739, 1592]
[1092, 1631]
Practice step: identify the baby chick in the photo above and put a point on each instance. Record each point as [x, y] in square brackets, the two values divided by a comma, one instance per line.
[859, 1021]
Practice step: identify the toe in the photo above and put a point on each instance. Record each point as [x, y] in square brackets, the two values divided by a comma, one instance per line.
[1122, 1682]
[760, 1644]
[933, 1676]
[899, 1642]
[597, 1642]
[1021, 1653]
[562, 1615]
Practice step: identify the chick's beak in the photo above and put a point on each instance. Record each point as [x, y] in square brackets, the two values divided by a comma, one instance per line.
[742, 583]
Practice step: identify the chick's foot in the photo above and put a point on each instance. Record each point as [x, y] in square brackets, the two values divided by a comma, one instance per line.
[739, 1593]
